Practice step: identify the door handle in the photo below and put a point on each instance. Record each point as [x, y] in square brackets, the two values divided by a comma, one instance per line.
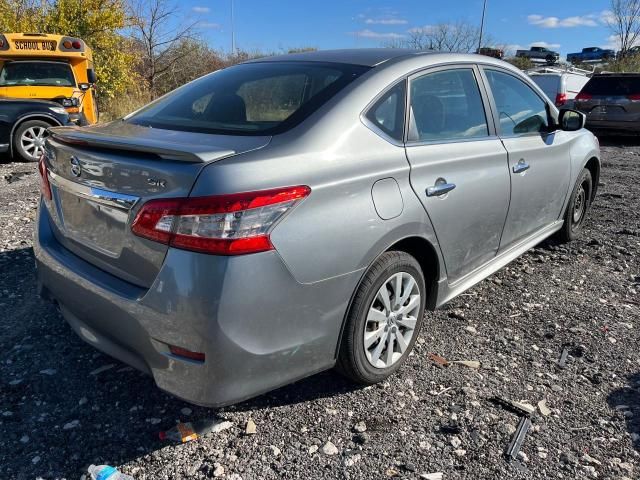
[440, 188]
[521, 166]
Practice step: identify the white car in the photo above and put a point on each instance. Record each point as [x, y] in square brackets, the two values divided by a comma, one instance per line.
[561, 87]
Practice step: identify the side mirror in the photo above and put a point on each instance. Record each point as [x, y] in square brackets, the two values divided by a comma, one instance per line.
[91, 75]
[571, 120]
[84, 86]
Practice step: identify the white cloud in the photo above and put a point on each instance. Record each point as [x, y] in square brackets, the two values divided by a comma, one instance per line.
[212, 25]
[569, 22]
[551, 46]
[607, 17]
[366, 33]
[386, 21]
[201, 9]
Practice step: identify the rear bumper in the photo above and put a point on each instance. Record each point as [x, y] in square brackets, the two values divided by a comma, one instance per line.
[632, 127]
[257, 326]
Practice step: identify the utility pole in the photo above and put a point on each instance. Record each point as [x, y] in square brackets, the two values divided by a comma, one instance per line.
[233, 33]
[484, 7]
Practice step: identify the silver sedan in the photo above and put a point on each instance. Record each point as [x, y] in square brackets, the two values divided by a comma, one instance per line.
[291, 214]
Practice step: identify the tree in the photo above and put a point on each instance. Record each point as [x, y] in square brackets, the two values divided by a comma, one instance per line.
[457, 36]
[624, 22]
[155, 31]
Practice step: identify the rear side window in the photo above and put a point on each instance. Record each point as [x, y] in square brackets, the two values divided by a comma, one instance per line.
[388, 112]
[520, 109]
[249, 99]
[613, 86]
[447, 105]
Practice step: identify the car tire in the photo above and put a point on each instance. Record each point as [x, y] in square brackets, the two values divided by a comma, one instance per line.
[28, 140]
[577, 208]
[369, 364]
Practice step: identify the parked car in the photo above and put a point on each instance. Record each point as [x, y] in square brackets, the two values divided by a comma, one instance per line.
[561, 87]
[24, 124]
[539, 53]
[276, 218]
[591, 54]
[611, 103]
[490, 52]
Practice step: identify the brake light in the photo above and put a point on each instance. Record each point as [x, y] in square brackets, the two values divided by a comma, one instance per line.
[583, 96]
[635, 97]
[45, 187]
[561, 99]
[76, 44]
[233, 224]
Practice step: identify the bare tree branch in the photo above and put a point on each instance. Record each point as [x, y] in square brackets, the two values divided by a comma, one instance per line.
[624, 22]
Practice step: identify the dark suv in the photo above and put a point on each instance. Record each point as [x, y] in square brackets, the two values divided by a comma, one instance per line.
[611, 102]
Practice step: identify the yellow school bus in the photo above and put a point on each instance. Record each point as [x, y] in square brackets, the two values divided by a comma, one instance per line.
[49, 67]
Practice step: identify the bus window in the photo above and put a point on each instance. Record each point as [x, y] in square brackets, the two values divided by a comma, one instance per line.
[20, 73]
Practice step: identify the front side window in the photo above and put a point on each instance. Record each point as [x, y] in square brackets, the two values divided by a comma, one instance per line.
[249, 99]
[447, 105]
[50, 74]
[387, 113]
[520, 109]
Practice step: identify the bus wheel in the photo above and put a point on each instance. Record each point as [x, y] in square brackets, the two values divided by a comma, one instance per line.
[28, 140]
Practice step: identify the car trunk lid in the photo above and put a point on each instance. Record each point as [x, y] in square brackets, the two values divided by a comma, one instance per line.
[100, 176]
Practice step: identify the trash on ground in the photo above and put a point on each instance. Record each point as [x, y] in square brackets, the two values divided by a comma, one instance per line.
[185, 432]
[102, 369]
[468, 363]
[438, 360]
[562, 362]
[518, 439]
[431, 476]
[542, 407]
[104, 472]
[250, 429]
[519, 408]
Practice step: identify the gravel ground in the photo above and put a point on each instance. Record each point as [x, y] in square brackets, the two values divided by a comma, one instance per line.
[64, 406]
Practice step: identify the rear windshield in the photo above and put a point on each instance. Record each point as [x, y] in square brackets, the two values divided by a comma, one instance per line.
[550, 84]
[621, 86]
[249, 99]
[53, 74]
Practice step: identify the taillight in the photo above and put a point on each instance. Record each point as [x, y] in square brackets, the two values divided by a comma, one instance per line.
[76, 44]
[634, 97]
[561, 99]
[583, 96]
[45, 187]
[234, 224]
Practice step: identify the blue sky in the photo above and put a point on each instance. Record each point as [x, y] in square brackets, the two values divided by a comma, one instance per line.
[273, 25]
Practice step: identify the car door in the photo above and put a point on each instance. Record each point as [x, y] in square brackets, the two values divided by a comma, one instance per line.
[539, 157]
[458, 165]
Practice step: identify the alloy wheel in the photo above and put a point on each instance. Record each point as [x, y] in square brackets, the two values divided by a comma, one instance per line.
[391, 320]
[32, 141]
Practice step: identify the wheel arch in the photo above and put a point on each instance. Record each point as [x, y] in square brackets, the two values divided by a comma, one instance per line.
[50, 119]
[425, 252]
[593, 165]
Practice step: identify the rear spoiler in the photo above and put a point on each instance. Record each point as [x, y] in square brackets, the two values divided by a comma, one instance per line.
[81, 137]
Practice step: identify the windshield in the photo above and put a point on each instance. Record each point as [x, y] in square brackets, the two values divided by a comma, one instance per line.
[53, 74]
[249, 99]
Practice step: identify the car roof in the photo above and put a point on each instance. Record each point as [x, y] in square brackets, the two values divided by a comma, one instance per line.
[368, 57]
